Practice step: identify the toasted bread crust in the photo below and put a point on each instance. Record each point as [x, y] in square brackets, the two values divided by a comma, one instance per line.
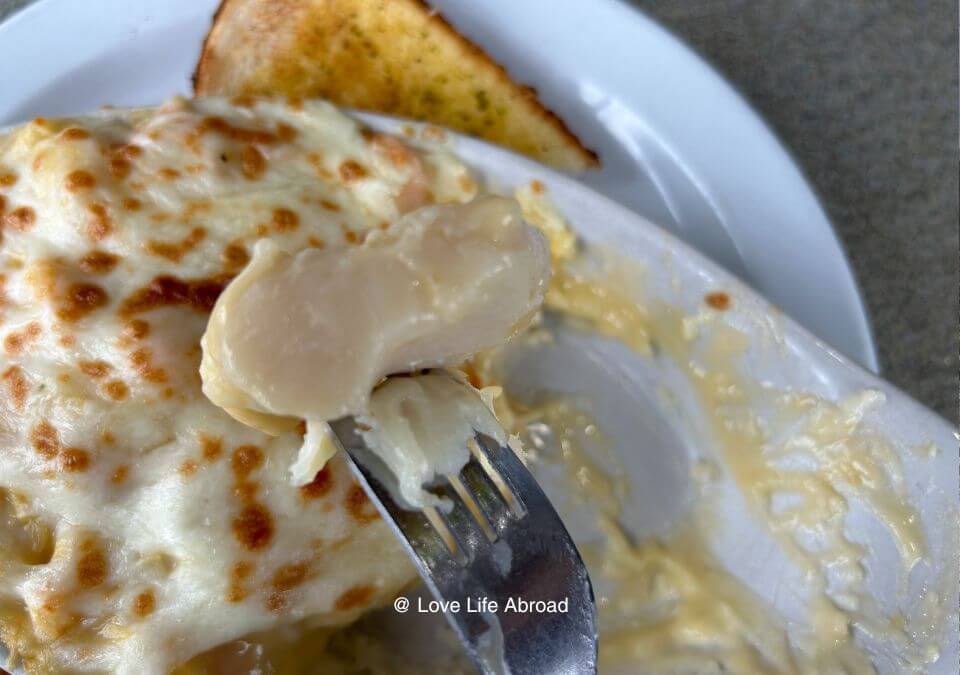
[391, 56]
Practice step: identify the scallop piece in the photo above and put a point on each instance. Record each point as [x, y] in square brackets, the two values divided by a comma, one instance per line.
[308, 336]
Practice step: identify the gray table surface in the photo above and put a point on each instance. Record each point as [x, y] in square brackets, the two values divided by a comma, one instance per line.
[864, 93]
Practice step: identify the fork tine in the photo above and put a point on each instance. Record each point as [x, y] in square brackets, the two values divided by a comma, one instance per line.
[486, 493]
[460, 518]
[458, 546]
[502, 464]
[472, 504]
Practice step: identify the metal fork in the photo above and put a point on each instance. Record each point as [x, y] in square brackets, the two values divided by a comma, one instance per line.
[503, 542]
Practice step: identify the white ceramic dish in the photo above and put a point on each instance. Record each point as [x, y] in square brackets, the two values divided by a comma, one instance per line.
[679, 146]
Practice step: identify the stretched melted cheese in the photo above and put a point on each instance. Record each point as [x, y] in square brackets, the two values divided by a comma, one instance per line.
[420, 427]
[141, 525]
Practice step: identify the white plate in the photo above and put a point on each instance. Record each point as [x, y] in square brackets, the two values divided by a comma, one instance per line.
[679, 146]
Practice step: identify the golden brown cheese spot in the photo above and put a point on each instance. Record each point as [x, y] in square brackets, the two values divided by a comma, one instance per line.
[142, 362]
[398, 154]
[321, 484]
[537, 187]
[351, 171]
[329, 205]
[45, 439]
[74, 134]
[174, 252]
[285, 579]
[350, 236]
[245, 460]
[359, 505]
[315, 242]
[119, 167]
[137, 329]
[168, 174]
[288, 577]
[79, 180]
[144, 604]
[120, 474]
[17, 341]
[7, 178]
[116, 390]
[92, 566]
[131, 204]
[239, 573]
[94, 369]
[3, 206]
[211, 448]
[99, 262]
[241, 134]
[108, 438]
[20, 219]
[188, 468]
[253, 527]
[99, 224]
[235, 256]
[17, 386]
[80, 300]
[125, 150]
[74, 460]
[352, 598]
[252, 163]
[719, 300]
[285, 132]
[169, 291]
[194, 207]
[285, 220]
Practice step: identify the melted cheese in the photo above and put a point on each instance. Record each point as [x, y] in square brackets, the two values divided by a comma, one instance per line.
[141, 524]
[420, 427]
